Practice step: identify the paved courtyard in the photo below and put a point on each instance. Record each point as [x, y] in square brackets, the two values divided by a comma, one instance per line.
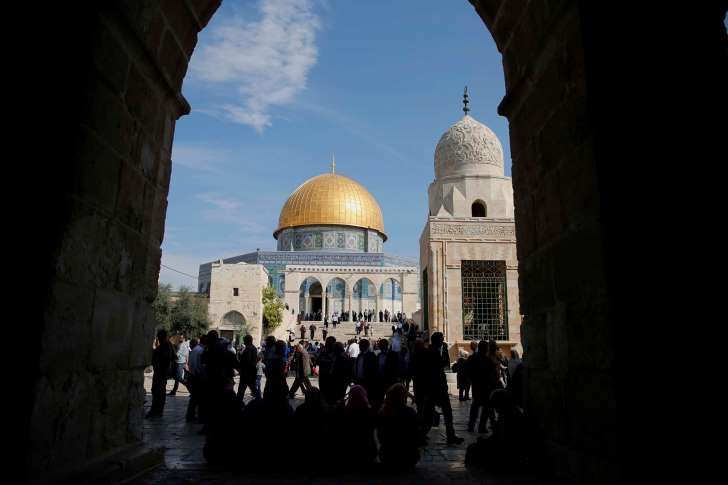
[184, 462]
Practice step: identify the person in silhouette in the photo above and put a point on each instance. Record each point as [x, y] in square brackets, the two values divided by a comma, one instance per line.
[357, 419]
[365, 368]
[164, 360]
[247, 361]
[312, 329]
[301, 365]
[194, 379]
[463, 382]
[482, 375]
[436, 393]
[397, 431]
[183, 353]
[311, 419]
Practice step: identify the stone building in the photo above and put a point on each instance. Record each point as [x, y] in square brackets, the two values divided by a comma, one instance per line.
[236, 306]
[468, 257]
[330, 258]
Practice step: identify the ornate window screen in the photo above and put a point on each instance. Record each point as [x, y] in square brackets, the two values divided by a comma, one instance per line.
[485, 306]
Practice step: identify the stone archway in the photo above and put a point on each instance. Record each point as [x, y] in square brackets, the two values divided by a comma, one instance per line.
[139, 53]
[336, 296]
[363, 295]
[311, 299]
[232, 324]
[390, 296]
[120, 95]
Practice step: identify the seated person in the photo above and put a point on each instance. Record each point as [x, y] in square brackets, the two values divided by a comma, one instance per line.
[397, 430]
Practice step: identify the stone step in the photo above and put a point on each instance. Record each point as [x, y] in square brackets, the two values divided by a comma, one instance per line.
[120, 467]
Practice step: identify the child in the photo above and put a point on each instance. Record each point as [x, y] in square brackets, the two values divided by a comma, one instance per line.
[259, 368]
[462, 377]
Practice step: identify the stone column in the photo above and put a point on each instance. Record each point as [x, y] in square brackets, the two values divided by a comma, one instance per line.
[349, 299]
[376, 305]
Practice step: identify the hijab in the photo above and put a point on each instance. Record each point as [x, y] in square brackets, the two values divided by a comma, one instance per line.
[357, 399]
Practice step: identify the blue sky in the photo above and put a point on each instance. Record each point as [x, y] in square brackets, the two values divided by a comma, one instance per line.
[277, 86]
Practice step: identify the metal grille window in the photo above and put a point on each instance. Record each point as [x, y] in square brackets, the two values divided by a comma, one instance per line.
[485, 306]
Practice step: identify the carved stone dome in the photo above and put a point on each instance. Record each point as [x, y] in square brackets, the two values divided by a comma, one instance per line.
[468, 148]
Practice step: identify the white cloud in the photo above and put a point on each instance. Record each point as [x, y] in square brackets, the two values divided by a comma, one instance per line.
[220, 201]
[266, 61]
[198, 157]
[248, 217]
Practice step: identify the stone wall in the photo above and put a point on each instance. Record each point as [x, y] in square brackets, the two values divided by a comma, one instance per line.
[249, 279]
[454, 196]
[97, 329]
[444, 243]
[567, 338]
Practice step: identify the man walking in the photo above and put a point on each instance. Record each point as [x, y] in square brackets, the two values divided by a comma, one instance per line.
[247, 361]
[163, 358]
[436, 391]
[194, 377]
[183, 353]
[301, 363]
[312, 329]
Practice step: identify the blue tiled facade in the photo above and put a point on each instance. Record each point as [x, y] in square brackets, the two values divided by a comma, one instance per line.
[276, 261]
[330, 238]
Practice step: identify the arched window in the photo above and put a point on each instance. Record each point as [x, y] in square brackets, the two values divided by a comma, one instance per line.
[478, 209]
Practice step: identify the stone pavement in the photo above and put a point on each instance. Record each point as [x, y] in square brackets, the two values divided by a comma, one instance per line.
[184, 462]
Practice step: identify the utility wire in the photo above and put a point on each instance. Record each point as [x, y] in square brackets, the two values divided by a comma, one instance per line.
[178, 271]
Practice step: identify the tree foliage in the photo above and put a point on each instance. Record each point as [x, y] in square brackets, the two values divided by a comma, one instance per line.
[184, 314]
[272, 308]
[162, 307]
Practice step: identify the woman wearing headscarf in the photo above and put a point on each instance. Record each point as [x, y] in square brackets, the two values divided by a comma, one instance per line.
[341, 374]
[275, 367]
[311, 419]
[397, 430]
[356, 419]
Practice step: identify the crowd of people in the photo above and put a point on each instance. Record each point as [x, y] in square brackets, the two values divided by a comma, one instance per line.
[363, 389]
[368, 315]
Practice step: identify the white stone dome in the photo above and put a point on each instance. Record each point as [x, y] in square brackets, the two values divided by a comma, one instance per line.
[468, 148]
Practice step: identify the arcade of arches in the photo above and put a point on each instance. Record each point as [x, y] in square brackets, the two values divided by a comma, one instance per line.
[341, 296]
[110, 178]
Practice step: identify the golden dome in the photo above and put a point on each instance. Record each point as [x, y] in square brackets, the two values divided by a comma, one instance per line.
[331, 199]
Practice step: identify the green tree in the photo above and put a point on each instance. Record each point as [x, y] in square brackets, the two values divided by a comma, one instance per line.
[272, 309]
[188, 314]
[162, 307]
